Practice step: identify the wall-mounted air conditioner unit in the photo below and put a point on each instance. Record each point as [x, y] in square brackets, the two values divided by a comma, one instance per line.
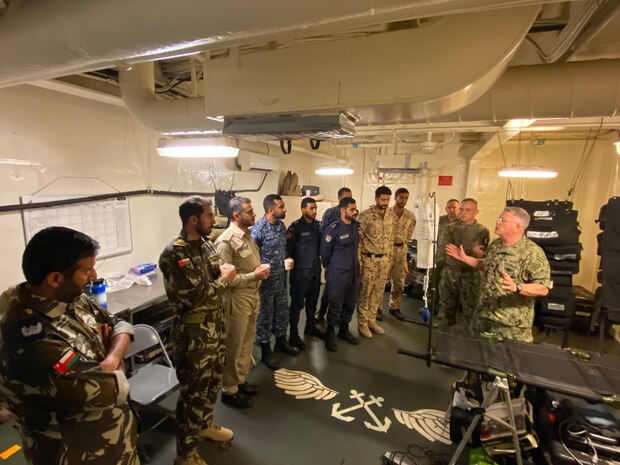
[255, 161]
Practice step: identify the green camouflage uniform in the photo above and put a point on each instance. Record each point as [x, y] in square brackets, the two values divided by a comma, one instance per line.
[460, 282]
[376, 242]
[67, 410]
[194, 287]
[403, 230]
[508, 314]
[440, 255]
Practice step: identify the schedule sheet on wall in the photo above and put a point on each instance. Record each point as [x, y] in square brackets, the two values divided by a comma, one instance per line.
[106, 221]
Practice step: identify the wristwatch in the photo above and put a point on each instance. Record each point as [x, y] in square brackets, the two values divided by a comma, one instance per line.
[519, 288]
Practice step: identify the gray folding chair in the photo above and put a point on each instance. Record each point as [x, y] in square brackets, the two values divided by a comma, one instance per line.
[154, 381]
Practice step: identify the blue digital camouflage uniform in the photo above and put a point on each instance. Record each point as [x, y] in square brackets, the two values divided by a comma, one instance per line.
[339, 254]
[303, 241]
[68, 410]
[330, 216]
[274, 311]
[503, 313]
[195, 288]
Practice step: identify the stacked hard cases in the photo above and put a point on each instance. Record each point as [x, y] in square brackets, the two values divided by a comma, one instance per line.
[609, 250]
[554, 227]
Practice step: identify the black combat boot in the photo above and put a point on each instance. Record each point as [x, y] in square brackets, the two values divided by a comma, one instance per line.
[283, 346]
[397, 314]
[330, 339]
[313, 330]
[345, 335]
[296, 341]
[379, 315]
[268, 358]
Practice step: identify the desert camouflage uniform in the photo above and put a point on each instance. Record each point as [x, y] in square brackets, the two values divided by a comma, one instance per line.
[236, 246]
[194, 287]
[459, 282]
[403, 230]
[508, 314]
[376, 241]
[68, 411]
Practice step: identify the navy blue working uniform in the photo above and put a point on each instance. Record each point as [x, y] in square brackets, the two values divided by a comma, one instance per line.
[303, 242]
[330, 216]
[339, 249]
[274, 311]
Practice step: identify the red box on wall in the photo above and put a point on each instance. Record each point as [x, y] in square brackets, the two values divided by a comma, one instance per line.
[445, 181]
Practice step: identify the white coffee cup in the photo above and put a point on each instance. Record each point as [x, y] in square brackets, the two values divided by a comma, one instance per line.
[288, 264]
[227, 266]
[266, 265]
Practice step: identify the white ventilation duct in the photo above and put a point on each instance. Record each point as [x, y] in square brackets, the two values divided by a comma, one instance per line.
[562, 90]
[43, 39]
[364, 75]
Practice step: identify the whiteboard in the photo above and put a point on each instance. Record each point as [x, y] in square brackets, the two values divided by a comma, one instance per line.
[106, 221]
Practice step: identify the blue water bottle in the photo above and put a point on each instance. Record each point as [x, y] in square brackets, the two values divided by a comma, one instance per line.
[97, 290]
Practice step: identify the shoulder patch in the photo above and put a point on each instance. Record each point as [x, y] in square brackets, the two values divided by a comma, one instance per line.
[65, 362]
[32, 329]
[184, 262]
[328, 238]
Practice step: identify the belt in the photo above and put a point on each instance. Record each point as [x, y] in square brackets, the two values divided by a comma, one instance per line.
[376, 255]
[398, 244]
[462, 269]
[194, 318]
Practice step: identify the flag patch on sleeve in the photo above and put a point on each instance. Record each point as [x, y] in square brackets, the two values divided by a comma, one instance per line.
[183, 262]
[65, 362]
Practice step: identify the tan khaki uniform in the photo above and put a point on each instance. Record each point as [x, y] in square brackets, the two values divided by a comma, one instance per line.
[236, 246]
[403, 230]
[376, 241]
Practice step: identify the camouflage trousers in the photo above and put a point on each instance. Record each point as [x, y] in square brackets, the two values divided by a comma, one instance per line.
[274, 311]
[398, 273]
[199, 353]
[372, 287]
[76, 446]
[506, 332]
[458, 293]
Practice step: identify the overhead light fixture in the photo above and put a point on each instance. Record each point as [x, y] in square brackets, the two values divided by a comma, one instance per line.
[525, 171]
[204, 147]
[335, 170]
[617, 144]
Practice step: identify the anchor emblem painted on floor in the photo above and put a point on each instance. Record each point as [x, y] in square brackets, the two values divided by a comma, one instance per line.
[365, 404]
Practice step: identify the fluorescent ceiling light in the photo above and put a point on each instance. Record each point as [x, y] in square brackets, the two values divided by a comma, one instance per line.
[335, 170]
[198, 148]
[523, 171]
[617, 144]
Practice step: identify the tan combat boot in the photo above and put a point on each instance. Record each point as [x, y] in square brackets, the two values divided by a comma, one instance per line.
[216, 433]
[364, 331]
[194, 459]
[375, 328]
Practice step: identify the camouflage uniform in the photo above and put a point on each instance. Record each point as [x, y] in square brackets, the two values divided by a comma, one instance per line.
[271, 241]
[194, 287]
[460, 282]
[440, 253]
[68, 411]
[507, 314]
[403, 230]
[242, 303]
[376, 241]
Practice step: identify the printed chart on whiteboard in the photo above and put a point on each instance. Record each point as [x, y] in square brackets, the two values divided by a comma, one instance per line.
[107, 221]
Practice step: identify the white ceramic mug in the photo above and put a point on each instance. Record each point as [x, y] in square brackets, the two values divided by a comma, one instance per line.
[288, 264]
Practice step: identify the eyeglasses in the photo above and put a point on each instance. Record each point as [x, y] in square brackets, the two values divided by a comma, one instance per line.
[501, 219]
